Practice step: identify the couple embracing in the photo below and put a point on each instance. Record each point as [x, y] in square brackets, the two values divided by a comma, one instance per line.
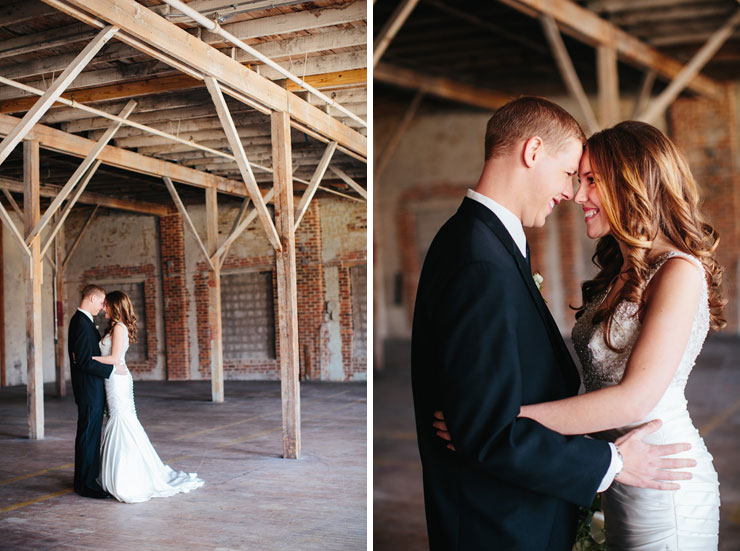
[499, 424]
[130, 469]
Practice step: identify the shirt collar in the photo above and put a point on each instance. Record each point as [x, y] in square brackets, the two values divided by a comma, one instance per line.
[88, 314]
[510, 220]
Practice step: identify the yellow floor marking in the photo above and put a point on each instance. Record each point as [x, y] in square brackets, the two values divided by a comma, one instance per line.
[32, 501]
[719, 419]
[37, 473]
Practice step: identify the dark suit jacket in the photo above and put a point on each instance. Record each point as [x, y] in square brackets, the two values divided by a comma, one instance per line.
[483, 344]
[83, 342]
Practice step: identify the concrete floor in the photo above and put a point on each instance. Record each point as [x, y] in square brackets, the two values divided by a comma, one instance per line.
[252, 498]
[713, 393]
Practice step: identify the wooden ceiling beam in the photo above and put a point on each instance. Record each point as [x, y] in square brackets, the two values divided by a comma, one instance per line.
[56, 140]
[441, 87]
[141, 27]
[588, 27]
[89, 198]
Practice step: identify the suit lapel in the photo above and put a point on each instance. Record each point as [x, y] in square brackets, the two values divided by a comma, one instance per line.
[525, 270]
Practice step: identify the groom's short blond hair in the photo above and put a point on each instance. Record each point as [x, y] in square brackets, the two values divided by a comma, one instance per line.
[526, 117]
[92, 290]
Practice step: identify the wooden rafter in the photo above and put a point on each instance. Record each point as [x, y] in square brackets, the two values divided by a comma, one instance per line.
[79, 236]
[87, 198]
[140, 24]
[85, 166]
[391, 28]
[588, 27]
[441, 87]
[349, 181]
[313, 185]
[56, 140]
[608, 77]
[186, 217]
[568, 71]
[241, 160]
[690, 70]
[55, 90]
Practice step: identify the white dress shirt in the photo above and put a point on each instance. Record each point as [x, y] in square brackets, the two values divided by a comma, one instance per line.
[514, 226]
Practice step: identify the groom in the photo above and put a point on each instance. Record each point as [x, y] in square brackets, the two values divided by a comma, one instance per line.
[484, 343]
[89, 390]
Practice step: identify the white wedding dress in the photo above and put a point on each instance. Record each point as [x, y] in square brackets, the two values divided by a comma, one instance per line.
[130, 470]
[641, 518]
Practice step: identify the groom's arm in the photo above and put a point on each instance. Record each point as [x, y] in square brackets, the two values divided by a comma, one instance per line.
[481, 380]
[83, 352]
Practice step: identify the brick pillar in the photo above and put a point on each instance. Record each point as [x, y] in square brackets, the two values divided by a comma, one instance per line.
[706, 132]
[310, 273]
[177, 346]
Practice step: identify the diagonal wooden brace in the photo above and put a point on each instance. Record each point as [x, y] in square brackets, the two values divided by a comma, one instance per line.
[349, 181]
[5, 217]
[55, 90]
[243, 225]
[313, 185]
[184, 213]
[241, 160]
[78, 174]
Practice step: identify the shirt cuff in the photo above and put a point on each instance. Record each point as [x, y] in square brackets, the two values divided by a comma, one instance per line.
[611, 472]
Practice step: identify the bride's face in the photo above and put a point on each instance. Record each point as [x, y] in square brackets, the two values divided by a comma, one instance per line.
[597, 224]
[106, 311]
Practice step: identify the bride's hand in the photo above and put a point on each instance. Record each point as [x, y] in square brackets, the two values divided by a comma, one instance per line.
[441, 427]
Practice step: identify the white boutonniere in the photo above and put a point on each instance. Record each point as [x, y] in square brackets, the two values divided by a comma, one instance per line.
[538, 279]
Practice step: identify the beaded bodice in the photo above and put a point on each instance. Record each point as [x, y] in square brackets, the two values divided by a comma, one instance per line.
[604, 367]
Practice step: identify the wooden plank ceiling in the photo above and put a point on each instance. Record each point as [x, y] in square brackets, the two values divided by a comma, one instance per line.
[502, 50]
[323, 41]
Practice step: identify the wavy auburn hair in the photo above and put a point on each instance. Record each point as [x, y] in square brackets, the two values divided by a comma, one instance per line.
[645, 187]
[121, 310]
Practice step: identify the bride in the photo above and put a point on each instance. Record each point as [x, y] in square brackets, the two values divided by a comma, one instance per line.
[642, 324]
[131, 471]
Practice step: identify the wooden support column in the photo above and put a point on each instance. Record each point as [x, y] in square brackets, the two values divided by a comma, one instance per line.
[608, 77]
[59, 339]
[34, 345]
[214, 298]
[286, 285]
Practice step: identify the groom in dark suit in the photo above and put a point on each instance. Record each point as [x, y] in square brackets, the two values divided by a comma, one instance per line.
[484, 344]
[87, 383]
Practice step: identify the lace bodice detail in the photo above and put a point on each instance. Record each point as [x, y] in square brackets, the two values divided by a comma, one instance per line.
[604, 367]
[106, 344]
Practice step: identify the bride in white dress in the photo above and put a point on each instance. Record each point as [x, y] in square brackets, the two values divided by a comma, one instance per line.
[643, 323]
[131, 471]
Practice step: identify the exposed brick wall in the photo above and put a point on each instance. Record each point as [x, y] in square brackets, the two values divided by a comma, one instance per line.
[125, 272]
[176, 299]
[706, 131]
[310, 276]
[263, 369]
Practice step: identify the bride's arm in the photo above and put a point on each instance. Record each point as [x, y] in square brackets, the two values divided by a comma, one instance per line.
[670, 305]
[116, 349]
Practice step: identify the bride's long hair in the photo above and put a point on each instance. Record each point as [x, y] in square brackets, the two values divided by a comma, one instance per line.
[121, 310]
[645, 188]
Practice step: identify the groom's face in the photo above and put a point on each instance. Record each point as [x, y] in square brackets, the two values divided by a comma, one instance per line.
[552, 182]
[97, 301]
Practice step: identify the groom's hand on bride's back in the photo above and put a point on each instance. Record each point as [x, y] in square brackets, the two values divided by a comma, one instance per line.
[441, 426]
[648, 465]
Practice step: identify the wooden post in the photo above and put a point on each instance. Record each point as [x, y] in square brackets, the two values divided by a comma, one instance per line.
[34, 345]
[608, 77]
[61, 379]
[214, 298]
[286, 285]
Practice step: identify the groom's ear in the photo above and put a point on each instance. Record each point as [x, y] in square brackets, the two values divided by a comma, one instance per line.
[532, 150]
